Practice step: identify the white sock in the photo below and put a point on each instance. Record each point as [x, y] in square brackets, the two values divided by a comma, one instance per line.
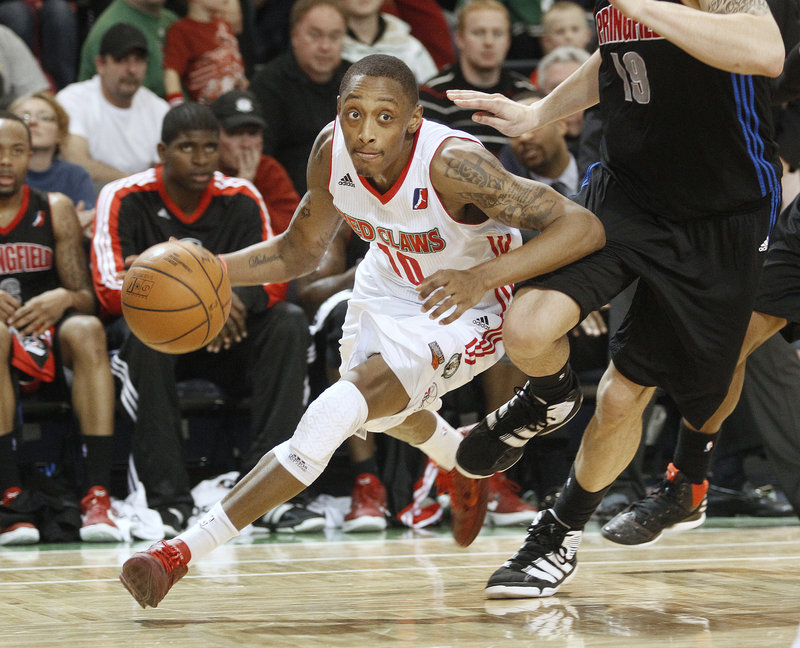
[209, 532]
[442, 444]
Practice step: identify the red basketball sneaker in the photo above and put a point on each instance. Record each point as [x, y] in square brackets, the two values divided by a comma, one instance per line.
[16, 528]
[368, 507]
[98, 526]
[149, 575]
[506, 507]
[468, 500]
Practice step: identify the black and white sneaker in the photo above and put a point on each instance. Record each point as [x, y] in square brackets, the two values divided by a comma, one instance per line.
[546, 561]
[498, 441]
[675, 505]
[292, 517]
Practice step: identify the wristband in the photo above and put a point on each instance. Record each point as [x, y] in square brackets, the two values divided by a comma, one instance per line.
[175, 99]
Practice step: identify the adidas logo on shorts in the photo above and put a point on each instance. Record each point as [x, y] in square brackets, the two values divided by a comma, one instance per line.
[482, 322]
[347, 181]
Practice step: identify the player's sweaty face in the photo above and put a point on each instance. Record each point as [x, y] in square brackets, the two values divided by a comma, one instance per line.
[375, 117]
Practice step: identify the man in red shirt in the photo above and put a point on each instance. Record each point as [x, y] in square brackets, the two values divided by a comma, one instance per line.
[241, 139]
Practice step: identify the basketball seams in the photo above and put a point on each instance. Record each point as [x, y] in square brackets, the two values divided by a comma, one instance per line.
[205, 272]
[185, 285]
[165, 295]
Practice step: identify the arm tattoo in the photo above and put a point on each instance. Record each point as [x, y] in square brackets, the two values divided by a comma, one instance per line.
[509, 202]
[262, 259]
[755, 7]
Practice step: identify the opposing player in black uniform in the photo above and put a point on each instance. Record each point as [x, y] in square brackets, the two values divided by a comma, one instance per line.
[186, 198]
[47, 319]
[687, 188]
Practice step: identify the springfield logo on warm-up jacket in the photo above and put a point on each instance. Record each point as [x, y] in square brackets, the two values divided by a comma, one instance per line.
[613, 27]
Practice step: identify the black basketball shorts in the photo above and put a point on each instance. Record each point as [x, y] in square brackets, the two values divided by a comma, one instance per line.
[697, 283]
[779, 289]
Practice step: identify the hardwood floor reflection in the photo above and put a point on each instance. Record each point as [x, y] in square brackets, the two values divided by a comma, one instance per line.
[728, 585]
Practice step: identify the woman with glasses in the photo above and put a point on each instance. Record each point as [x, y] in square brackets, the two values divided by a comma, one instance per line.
[48, 123]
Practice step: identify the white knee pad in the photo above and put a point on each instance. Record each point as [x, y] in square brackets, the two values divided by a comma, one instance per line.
[338, 413]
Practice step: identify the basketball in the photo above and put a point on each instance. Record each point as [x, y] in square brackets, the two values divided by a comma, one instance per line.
[176, 297]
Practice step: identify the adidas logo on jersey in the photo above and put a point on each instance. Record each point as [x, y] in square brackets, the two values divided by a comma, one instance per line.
[482, 322]
[763, 247]
[347, 181]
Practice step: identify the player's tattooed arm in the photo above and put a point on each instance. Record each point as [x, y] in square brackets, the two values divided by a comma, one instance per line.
[755, 7]
[299, 249]
[466, 176]
[473, 176]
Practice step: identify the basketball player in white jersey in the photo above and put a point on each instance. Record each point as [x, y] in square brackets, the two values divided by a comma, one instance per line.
[427, 198]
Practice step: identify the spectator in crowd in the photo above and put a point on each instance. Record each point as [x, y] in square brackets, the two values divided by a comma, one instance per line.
[20, 74]
[151, 18]
[57, 39]
[265, 338]
[114, 120]
[369, 31]
[542, 154]
[429, 25]
[298, 89]
[526, 18]
[565, 23]
[552, 70]
[201, 55]
[241, 140]
[47, 320]
[48, 123]
[483, 36]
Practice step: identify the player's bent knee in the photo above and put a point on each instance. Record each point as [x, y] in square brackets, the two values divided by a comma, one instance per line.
[338, 413]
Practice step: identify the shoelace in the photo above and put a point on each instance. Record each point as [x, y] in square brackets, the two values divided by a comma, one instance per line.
[530, 412]
[169, 556]
[541, 540]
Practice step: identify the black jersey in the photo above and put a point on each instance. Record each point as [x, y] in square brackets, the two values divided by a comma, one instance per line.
[27, 249]
[135, 213]
[684, 139]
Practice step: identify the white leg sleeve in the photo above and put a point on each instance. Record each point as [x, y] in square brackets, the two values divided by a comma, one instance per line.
[442, 444]
[338, 413]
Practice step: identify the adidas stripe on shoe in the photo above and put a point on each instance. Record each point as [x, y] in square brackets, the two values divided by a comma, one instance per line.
[546, 561]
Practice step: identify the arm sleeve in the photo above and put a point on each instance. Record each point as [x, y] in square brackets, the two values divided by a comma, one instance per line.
[108, 257]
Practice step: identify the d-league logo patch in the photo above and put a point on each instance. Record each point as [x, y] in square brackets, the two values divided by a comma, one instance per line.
[347, 181]
[420, 198]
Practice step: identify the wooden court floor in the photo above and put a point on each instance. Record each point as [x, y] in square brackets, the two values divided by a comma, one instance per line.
[729, 584]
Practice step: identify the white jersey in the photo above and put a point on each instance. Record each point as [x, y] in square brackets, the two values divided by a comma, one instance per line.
[411, 236]
[410, 232]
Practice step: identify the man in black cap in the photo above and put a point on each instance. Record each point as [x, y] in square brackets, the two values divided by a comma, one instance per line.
[115, 123]
[241, 140]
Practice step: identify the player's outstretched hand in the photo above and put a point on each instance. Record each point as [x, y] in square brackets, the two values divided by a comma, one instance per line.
[507, 116]
[446, 289]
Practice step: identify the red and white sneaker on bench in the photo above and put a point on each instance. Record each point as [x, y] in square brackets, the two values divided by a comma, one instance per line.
[98, 524]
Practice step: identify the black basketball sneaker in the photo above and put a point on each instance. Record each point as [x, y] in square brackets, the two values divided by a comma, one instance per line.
[676, 504]
[546, 561]
[497, 442]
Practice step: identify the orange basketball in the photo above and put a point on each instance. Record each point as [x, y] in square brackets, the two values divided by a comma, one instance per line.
[176, 297]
